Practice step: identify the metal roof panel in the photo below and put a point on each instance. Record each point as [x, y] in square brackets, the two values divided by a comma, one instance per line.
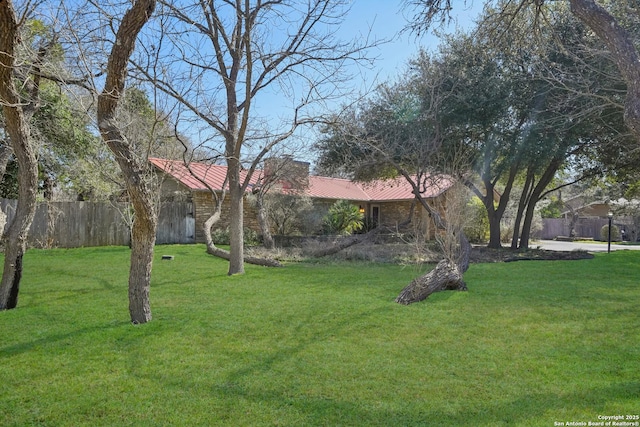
[319, 186]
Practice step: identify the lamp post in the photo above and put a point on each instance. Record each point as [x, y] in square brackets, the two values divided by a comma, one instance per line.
[610, 215]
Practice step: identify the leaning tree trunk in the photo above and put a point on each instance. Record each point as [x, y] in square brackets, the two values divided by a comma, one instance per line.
[137, 182]
[17, 126]
[446, 276]
[448, 273]
[16, 237]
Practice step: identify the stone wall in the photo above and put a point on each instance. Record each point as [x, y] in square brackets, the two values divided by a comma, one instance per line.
[394, 213]
[391, 214]
[204, 203]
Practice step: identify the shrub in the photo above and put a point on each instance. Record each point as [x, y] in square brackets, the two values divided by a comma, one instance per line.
[343, 218]
[477, 224]
[220, 236]
[615, 233]
[552, 208]
[291, 214]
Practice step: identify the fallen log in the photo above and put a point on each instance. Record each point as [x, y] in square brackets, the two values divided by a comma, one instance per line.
[444, 277]
[224, 254]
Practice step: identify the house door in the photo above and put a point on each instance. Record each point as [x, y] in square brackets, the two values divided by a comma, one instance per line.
[375, 215]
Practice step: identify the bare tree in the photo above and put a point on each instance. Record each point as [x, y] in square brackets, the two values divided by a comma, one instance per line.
[282, 177]
[17, 113]
[218, 196]
[145, 222]
[225, 55]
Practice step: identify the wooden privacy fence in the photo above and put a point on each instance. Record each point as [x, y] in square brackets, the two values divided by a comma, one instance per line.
[584, 227]
[78, 224]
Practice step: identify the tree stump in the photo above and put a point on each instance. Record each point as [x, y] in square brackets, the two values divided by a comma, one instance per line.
[444, 277]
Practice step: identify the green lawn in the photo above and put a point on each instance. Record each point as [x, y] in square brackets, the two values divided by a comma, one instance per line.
[532, 343]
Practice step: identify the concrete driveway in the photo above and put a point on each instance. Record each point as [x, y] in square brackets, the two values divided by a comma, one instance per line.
[553, 245]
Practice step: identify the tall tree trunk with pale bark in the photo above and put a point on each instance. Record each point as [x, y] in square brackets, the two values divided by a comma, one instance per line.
[135, 170]
[17, 126]
[236, 219]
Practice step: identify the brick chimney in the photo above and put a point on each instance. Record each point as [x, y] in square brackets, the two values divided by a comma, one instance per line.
[289, 174]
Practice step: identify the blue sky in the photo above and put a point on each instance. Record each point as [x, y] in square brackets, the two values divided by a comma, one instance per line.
[387, 21]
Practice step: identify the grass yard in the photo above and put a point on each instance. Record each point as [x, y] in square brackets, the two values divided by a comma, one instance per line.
[533, 343]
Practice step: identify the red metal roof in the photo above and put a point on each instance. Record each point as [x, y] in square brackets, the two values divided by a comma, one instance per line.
[399, 189]
[319, 186]
[213, 175]
[323, 187]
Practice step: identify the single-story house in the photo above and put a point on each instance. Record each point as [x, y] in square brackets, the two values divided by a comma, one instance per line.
[385, 202]
[577, 206]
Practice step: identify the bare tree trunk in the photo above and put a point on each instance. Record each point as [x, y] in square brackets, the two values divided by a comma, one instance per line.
[493, 215]
[143, 231]
[522, 205]
[495, 220]
[236, 220]
[208, 225]
[16, 237]
[495, 241]
[17, 127]
[446, 276]
[545, 179]
[212, 249]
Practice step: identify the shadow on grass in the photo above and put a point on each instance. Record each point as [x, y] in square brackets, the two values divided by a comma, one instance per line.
[24, 347]
[318, 406]
[533, 409]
